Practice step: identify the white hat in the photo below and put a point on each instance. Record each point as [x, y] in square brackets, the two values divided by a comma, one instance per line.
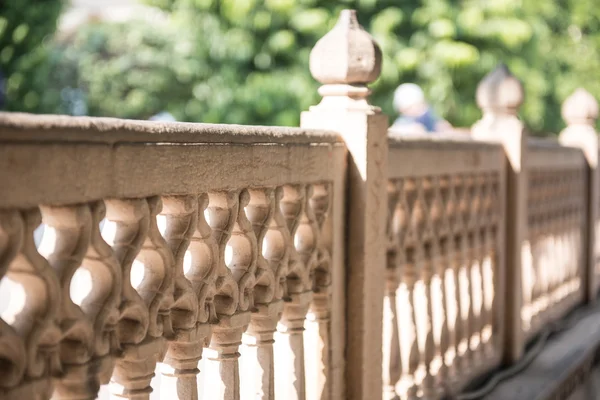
[407, 95]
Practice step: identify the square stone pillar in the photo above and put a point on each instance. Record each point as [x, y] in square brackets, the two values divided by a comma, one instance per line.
[500, 95]
[345, 61]
[580, 111]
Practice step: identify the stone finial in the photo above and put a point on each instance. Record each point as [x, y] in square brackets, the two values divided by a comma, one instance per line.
[580, 108]
[346, 55]
[500, 92]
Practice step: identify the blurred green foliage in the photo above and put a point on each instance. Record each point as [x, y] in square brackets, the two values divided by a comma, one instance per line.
[24, 25]
[246, 61]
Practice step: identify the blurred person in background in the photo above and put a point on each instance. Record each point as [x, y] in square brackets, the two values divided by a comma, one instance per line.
[416, 116]
[163, 116]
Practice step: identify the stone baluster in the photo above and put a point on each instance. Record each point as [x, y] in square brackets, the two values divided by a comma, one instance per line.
[258, 380]
[441, 233]
[429, 255]
[463, 269]
[345, 60]
[35, 312]
[391, 339]
[580, 112]
[410, 348]
[406, 235]
[179, 223]
[290, 375]
[64, 244]
[12, 344]
[428, 249]
[500, 95]
[125, 229]
[451, 294]
[474, 202]
[317, 337]
[448, 337]
[488, 261]
[236, 276]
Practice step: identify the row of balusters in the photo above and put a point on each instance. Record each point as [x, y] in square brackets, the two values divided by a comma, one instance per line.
[440, 310]
[553, 257]
[169, 280]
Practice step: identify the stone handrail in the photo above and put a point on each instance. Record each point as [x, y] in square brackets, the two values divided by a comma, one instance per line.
[215, 239]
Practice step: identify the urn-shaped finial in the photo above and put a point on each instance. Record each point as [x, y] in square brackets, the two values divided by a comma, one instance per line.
[500, 91]
[580, 108]
[346, 55]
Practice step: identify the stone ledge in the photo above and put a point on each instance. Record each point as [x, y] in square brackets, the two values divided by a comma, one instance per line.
[22, 127]
[563, 359]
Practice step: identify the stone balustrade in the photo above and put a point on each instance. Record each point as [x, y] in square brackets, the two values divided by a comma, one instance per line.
[167, 243]
[554, 253]
[333, 261]
[443, 317]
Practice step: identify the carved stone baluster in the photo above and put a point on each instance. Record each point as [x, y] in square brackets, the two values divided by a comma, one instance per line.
[428, 249]
[448, 337]
[474, 274]
[236, 277]
[125, 230]
[318, 321]
[450, 279]
[441, 230]
[97, 290]
[407, 235]
[34, 312]
[258, 381]
[391, 340]
[180, 366]
[12, 347]
[290, 374]
[276, 246]
[429, 255]
[442, 270]
[488, 263]
[64, 244]
[462, 261]
[537, 273]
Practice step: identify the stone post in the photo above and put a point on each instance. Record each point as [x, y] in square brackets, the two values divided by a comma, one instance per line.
[345, 60]
[500, 95]
[580, 111]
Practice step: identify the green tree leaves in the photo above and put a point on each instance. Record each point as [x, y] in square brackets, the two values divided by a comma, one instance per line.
[24, 25]
[246, 62]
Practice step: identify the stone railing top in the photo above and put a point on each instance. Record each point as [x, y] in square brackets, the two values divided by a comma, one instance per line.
[442, 154]
[30, 127]
[542, 143]
[439, 140]
[68, 160]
